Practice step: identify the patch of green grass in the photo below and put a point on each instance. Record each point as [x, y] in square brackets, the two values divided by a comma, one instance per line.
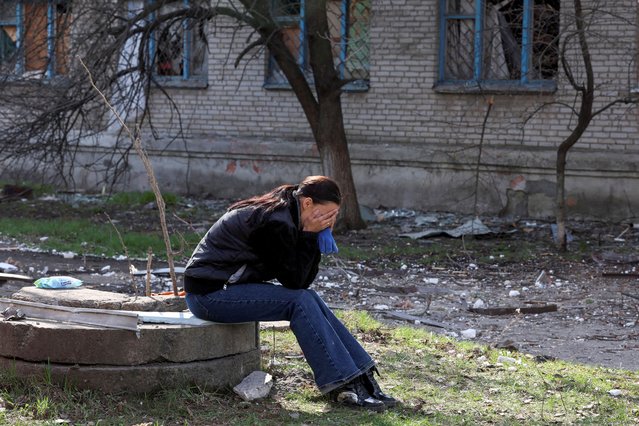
[361, 321]
[86, 237]
[137, 198]
[394, 252]
[439, 380]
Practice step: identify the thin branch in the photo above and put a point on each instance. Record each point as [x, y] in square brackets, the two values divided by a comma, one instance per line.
[151, 175]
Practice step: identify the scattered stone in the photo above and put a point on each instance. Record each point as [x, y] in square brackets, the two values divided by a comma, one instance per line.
[470, 333]
[330, 285]
[507, 360]
[615, 392]
[507, 344]
[256, 385]
[513, 293]
[543, 279]
[478, 304]
[381, 307]
[8, 268]
[12, 314]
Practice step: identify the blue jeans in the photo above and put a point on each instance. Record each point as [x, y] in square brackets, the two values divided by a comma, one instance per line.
[330, 349]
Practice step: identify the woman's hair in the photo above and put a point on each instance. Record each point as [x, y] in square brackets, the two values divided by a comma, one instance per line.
[320, 189]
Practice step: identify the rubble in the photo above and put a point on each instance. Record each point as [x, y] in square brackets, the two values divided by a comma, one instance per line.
[543, 303]
[256, 385]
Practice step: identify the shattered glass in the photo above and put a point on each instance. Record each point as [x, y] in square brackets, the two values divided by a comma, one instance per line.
[8, 35]
[179, 43]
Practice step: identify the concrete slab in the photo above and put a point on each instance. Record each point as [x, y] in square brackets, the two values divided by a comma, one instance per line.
[152, 357]
[38, 340]
[89, 298]
[111, 318]
[212, 374]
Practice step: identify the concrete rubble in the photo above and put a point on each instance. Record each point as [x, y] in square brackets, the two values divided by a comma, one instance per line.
[152, 356]
[256, 385]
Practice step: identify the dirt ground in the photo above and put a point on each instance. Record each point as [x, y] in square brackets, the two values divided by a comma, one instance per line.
[584, 305]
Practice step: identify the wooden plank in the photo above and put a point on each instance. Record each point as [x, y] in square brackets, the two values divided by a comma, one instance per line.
[515, 310]
[180, 318]
[425, 321]
[15, 277]
[126, 320]
[161, 272]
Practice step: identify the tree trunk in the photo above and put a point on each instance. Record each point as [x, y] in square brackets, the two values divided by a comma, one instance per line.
[336, 161]
[330, 134]
[584, 117]
[323, 108]
[560, 200]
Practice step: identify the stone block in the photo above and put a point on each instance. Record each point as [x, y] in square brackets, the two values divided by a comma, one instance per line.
[38, 340]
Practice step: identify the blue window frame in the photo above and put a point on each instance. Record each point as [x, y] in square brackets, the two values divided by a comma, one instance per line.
[498, 46]
[34, 37]
[348, 21]
[178, 50]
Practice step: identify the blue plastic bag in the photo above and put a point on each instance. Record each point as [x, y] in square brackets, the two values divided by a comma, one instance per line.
[58, 282]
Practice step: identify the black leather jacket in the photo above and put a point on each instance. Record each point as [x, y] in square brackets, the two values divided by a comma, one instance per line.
[249, 246]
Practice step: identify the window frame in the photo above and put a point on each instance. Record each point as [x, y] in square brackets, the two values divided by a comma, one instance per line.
[186, 79]
[20, 67]
[359, 85]
[523, 85]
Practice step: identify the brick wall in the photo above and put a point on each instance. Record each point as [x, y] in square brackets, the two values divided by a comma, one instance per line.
[411, 146]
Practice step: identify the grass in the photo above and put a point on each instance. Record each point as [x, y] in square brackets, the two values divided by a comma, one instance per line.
[396, 251]
[84, 236]
[92, 228]
[440, 381]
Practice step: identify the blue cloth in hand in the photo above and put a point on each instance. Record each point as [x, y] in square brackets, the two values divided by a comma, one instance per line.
[326, 242]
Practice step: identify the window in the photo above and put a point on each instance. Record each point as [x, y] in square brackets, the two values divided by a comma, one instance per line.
[34, 37]
[498, 45]
[178, 49]
[348, 22]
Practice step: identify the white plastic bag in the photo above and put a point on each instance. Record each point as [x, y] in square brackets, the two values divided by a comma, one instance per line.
[58, 282]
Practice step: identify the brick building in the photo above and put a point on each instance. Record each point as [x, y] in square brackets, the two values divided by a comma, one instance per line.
[415, 120]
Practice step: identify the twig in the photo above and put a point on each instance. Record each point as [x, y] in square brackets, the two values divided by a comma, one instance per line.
[629, 295]
[491, 101]
[151, 175]
[149, 259]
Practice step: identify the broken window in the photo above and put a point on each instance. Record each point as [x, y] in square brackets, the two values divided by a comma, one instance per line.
[34, 37]
[499, 40]
[348, 21]
[180, 47]
[8, 35]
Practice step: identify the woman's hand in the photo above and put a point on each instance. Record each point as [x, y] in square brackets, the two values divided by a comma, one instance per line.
[320, 219]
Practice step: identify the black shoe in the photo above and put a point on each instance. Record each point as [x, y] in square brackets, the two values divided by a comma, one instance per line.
[354, 394]
[375, 391]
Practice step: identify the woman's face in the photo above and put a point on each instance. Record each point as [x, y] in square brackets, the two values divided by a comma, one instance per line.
[316, 216]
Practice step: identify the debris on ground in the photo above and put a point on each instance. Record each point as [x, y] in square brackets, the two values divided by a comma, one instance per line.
[446, 285]
[256, 385]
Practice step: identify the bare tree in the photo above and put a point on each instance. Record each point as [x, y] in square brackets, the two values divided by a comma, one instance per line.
[540, 48]
[577, 67]
[51, 108]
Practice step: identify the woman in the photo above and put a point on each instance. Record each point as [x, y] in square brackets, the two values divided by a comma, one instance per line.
[279, 235]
